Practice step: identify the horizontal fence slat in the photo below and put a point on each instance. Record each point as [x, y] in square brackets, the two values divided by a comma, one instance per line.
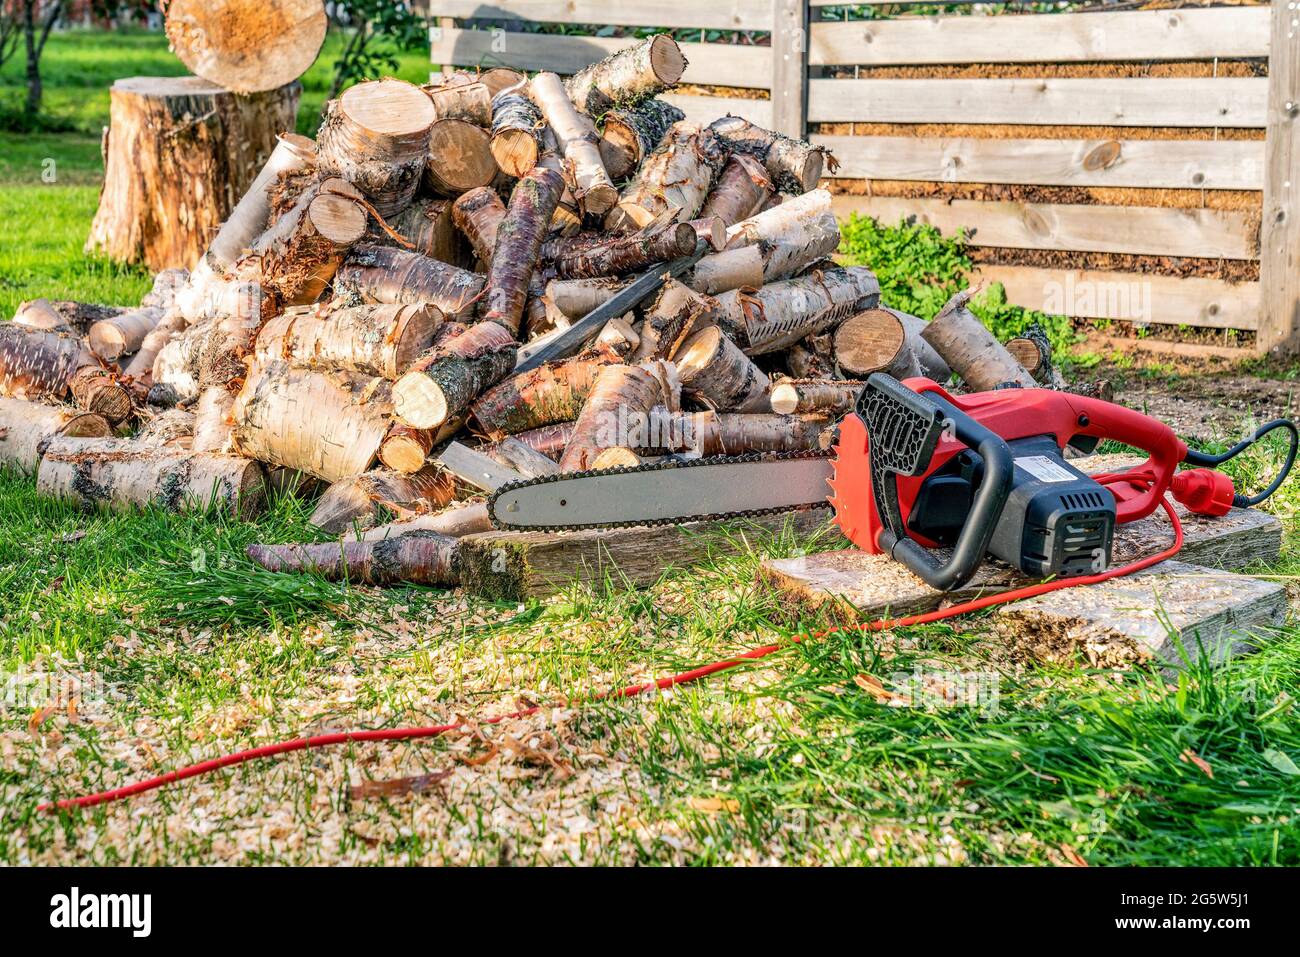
[1228, 102]
[721, 64]
[722, 15]
[1198, 233]
[1170, 164]
[1191, 34]
[1132, 297]
[706, 109]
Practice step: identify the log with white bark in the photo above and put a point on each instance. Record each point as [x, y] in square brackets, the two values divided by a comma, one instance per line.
[63, 315]
[577, 297]
[674, 180]
[627, 76]
[37, 363]
[887, 340]
[212, 420]
[518, 246]
[617, 340]
[140, 365]
[417, 558]
[831, 397]
[675, 313]
[123, 474]
[577, 140]
[620, 401]
[742, 189]
[428, 227]
[470, 101]
[375, 340]
[463, 518]
[443, 382]
[328, 425]
[460, 158]
[376, 136]
[521, 457]
[630, 134]
[379, 496]
[551, 393]
[377, 274]
[971, 350]
[246, 47]
[110, 339]
[96, 389]
[172, 428]
[734, 433]
[714, 368]
[516, 133]
[781, 313]
[794, 165]
[177, 363]
[26, 428]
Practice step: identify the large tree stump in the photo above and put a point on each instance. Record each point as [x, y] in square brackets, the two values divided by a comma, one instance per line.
[178, 155]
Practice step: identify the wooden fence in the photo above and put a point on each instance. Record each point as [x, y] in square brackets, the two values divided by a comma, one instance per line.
[908, 78]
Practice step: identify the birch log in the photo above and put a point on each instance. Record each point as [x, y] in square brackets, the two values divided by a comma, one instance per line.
[781, 313]
[633, 252]
[374, 340]
[463, 518]
[460, 158]
[470, 101]
[631, 134]
[416, 558]
[674, 180]
[380, 275]
[37, 363]
[579, 143]
[96, 389]
[577, 297]
[110, 339]
[675, 313]
[620, 401]
[742, 189]
[516, 133]
[886, 340]
[140, 365]
[478, 214]
[793, 165]
[518, 244]
[375, 497]
[27, 427]
[428, 226]
[971, 350]
[627, 76]
[212, 420]
[551, 393]
[444, 381]
[826, 396]
[712, 366]
[735, 433]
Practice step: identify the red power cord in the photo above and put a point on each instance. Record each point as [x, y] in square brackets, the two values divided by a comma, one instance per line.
[631, 691]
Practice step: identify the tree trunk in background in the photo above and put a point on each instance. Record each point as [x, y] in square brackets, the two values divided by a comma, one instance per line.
[179, 154]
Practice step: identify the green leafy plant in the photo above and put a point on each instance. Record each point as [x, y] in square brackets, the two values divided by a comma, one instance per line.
[377, 30]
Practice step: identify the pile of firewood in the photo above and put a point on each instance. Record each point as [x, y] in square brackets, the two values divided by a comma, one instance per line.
[390, 287]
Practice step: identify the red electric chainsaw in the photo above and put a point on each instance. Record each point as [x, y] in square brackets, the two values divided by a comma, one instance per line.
[917, 470]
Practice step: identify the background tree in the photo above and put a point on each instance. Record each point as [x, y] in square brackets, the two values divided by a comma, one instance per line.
[376, 30]
[36, 20]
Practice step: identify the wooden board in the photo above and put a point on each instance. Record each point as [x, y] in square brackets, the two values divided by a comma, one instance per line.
[1161, 101]
[724, 64]
[1138, 297]
[1173, 613]
[1279, 262]
[1192, 34]
[1167, 164]
[706, 109]
[789, 65]
[1207, 233]
[512, 566]
[721, 15]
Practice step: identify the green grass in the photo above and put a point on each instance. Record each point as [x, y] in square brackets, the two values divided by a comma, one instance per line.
[187, 650]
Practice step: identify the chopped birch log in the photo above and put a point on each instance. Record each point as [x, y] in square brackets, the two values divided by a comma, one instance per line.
[550, 440]
[63, 315]
[212, 420]
[499, 79]
[471, 102]
[632, 252]
[177, 363]
[99, 390]
[631, 134]
[110, 339]
[173, 428]
[443, 382]
[463, 518]
[376, 136]
[375, 340]
[428, 226]
[375, 274]
[405, 449]
[617, 340]
[734, 433]
[781, 313]
[773, 245]
[712, 366]
[551, 393]
[971, 350]
[886, 340]
[478, 214]
[577, 297]
[794, 166]
[618, 457]
[247, 47]
[140, 366]
[327, 425]
[122, 474]
[674, 180]
[460, 158]
[712, 231]
[674, 314]
[627, 76]
[36, 363]
[523, 458]
[26, 428]
[579, 143]
[1034, 353]
[376, 497]
[826, 396]
[742, 189]
[516, 133]
[417, 558]
[518, 245]
[621, 399]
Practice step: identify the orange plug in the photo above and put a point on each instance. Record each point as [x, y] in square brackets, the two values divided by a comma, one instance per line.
[1203, 491]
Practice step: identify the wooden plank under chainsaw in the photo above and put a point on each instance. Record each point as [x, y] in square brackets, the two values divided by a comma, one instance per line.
[1172, 613]
[512, 566]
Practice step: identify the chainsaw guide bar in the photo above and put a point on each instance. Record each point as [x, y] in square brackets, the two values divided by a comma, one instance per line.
[668, 493]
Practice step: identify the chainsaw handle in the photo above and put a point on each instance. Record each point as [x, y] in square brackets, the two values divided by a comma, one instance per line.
[991, 497]
[1106, 420]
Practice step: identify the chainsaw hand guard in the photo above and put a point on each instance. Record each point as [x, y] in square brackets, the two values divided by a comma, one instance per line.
[905, 426]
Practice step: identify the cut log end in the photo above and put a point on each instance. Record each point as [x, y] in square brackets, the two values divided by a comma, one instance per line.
[666, 59]
[515, 151]
[869, 342]
[460, 157]
[419, 401]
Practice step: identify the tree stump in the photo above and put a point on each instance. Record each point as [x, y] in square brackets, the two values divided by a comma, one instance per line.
[178, 155]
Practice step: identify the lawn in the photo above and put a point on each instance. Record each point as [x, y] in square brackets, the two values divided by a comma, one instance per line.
[183, 650]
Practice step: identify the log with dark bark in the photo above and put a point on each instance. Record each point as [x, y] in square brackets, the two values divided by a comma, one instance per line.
[96, 389]
[516, 133]
[674, 180]
[376, 274]
[443, 382]
[714, 368]
[886, 340]
[794, 166]
[428, 226]
[742, 189]
[551, 393]
[416, 558]
[810, 358]
[630, 134]
[376, 136]
[379, 496]
[971, 350]
[831, 397]
[621, 398]
[518, 245]
[735, 433]
[628, 76]
[616, 255]
[328, 425]
[122, 474]
[577, 140]
[781, 313]
[37, 363]
[247, 47]
[375, 340]
[478, 214]
[27, 427]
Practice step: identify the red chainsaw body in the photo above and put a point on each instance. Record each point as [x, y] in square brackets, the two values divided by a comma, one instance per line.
[1012, 414]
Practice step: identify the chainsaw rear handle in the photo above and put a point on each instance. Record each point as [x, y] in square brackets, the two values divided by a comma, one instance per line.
[991, 497]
